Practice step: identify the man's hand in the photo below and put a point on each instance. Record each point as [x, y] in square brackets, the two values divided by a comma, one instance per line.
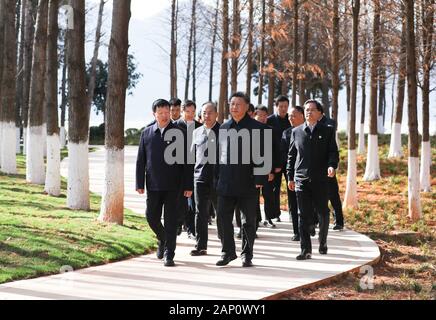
[291, 185]
[277, 170]
[270, 177]
[140, 191]
[259, 186]
[187, 194]
[331, 172]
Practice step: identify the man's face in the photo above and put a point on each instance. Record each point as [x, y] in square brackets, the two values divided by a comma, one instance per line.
[312, 113]
[261, 116]
[296, 118]
[209, 115]
[282, 108]
[162, 116]
[238, 108]
[189, 113]
[175, 112]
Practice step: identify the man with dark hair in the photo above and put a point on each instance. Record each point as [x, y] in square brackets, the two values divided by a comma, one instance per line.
[187, 206]
[313, 156]
[162, 181]
[175, 105]
[334, 197]
[237, 183]
[296, 119]
[251, 110]
[280, 122]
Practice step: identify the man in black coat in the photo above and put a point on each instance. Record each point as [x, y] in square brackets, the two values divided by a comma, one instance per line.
[239, 175]
[334, 197]
[313, 156]
[204, 144]
[280, 122]
[296, 119]
[187, 206]
[162, 180]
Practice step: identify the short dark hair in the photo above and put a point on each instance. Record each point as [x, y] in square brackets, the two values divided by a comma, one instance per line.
[282, 98]
[251, 108]
[160, 103]
[261, 108]
[213, 104]
[189, 103]
[317, 103]
[175, 102]
[299, 109]
[241, 95]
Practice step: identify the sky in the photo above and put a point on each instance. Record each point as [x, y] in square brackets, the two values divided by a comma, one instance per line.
[149, 33]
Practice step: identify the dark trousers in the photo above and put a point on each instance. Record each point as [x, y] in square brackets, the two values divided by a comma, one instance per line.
[269, 201]
[205, 197]
[225, 212]
[335, 200]
[166, 233]
[312, 197]
[277, 190]
[187, 209]
[258, 214]
[293, 211]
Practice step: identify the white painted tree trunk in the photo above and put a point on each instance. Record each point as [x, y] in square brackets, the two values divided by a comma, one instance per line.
[372, 171]
[8, 148]
[35, 167]
[112, 204]
[414, 196]
[380, 126]
[350, 200]
[63, 136]
[361, 149]
[18, 141]
[348, 122]
[395, 149]
[78, 176]
[53, 175]
[425, 178]
[24, 141]
[1, 140]
[44, 135]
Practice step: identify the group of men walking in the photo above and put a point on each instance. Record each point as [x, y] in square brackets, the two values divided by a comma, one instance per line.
[223, 168]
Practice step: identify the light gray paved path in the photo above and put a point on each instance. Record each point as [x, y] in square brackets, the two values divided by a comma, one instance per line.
[145, 277]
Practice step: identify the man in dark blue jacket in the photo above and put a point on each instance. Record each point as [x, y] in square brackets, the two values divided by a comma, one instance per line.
[162, 180]
[204, 144]
[239, 176]
[313, 157]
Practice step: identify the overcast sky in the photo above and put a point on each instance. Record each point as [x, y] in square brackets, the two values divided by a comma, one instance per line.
[148, 31]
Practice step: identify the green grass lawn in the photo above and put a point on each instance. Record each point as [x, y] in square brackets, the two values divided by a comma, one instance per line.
[39, 235]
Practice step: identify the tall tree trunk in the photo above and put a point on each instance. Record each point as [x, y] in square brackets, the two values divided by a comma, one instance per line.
[53, 175]
[8, 83]
[173, 55]
[335, 61]
[212, 50]
[112, 205]
[304, 54]
[250, 46]
[395, 149]
[191, 35]
[19, 85]
[222, 104]
[78, 119]
[272, 59]
[381, 96]
[348, 91]
[35, 168]
[64, 102]
[361, 149]
[295, 44]
[428, 7]
[93, 73]
[262, 54]
[413, 189]
[372, 171]
[194, 56]
[350, 200]
[235, 44]
[2, 45]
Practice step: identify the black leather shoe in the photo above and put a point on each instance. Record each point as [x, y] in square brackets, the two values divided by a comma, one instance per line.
[295, 238]
[169, 262]
[323, 249]
[338, 227]
[225, 260]
[160, 250]
[196, 253]
[278, 219]
[247, 263]
[304, 256]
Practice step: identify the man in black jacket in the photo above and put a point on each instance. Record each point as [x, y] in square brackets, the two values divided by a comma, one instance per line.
[162, 180]
[204, 144]
[239, 175]
[313, 156]
[279, 121]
